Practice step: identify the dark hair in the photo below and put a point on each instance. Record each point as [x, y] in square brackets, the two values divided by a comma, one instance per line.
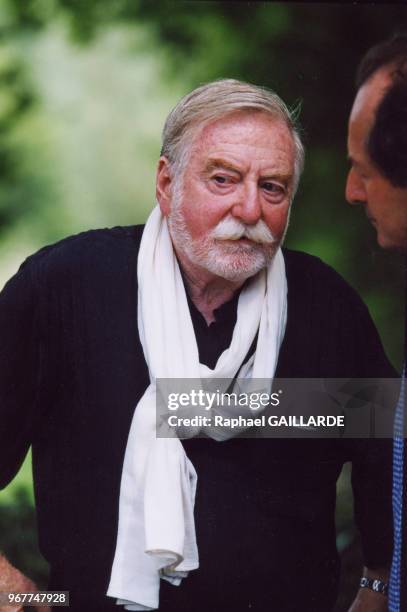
[392, 51]
[387, 141]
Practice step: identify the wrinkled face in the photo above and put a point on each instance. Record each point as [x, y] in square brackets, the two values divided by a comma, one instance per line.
[385, 205]
[230, 211]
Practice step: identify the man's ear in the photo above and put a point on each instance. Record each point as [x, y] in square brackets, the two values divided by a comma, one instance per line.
[163, 185]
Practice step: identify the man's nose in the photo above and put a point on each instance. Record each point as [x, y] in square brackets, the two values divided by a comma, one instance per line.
[248, 206]
[355, 192]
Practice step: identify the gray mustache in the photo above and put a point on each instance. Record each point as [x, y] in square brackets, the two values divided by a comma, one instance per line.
[232, 229]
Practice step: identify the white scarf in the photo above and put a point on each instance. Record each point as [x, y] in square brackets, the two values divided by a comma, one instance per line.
[156, 535]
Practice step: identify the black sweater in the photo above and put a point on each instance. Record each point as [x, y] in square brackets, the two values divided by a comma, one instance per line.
[71, 373]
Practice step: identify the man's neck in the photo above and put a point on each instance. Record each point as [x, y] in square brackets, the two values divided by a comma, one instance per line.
[207, 291]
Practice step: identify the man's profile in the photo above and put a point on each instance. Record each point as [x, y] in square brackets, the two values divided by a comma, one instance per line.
[204, 289]
[377, 145]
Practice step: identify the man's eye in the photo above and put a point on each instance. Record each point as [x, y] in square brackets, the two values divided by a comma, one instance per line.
[220, 180]
[272, 187]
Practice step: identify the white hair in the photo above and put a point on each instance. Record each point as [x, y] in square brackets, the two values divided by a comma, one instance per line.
[215, 100]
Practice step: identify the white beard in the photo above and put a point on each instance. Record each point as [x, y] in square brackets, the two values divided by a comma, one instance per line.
[220, 251]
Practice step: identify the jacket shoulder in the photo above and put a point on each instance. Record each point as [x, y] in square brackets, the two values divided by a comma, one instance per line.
[91, 251]
[305, 269]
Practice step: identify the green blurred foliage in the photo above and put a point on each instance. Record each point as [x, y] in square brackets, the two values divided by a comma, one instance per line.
[18, 530]
[15, 99]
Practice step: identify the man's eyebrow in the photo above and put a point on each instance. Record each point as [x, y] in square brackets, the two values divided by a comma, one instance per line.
[216, 163]
[284, 177]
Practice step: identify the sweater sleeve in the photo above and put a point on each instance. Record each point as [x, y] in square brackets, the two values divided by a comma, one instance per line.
[20, 365]
[372, 458]
[329, 323]
[372, 483]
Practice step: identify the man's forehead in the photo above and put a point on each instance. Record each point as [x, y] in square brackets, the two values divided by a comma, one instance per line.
[245, 130]
[369, 96]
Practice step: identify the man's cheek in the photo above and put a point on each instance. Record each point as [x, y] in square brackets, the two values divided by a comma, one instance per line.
[277, 223]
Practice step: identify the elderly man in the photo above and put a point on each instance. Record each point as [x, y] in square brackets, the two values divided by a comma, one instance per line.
[377, 147]
[203, 290]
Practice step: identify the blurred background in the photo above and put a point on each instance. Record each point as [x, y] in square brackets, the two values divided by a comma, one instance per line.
[84, 90]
